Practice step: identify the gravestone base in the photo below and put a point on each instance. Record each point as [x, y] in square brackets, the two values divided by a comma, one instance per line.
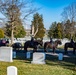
[38, 62]
[60, 56]
[38, 58]
[6, 54]
[28, 55]
[14, 54]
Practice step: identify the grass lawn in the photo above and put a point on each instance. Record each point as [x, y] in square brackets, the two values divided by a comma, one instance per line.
[52, 67]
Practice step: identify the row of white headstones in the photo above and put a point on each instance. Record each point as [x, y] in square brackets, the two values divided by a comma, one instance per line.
[7, 54]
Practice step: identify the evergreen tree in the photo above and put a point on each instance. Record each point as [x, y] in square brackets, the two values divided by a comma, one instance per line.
[69, 18]
[51, 32]
[69, 29]
[59, 30]
[1, 33]
[55, 30]
[11, 9]
[18, 28]
[38, 24]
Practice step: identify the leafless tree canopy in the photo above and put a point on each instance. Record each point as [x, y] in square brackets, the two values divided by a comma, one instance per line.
[25, 7]
[11, 9]
[69, 12]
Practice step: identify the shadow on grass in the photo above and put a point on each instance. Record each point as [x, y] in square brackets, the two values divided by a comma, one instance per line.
[21, 55]
[67, 62]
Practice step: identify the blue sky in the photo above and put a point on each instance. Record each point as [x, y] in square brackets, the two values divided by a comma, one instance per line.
[51, 10]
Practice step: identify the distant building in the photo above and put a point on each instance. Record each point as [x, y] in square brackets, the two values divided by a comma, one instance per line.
[28, 32]
[46, 33]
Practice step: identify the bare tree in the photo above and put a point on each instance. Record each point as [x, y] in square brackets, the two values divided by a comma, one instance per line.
[7, 9]
[2, 22]
[69, 13]
[33, 30]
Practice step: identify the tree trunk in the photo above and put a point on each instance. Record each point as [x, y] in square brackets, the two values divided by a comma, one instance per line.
[12, 36]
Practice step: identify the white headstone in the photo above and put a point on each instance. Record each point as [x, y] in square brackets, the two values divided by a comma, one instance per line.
[6, 54]
[38, 58]
[60, 57]
[11, 70]
[14, 54]
[28, 55]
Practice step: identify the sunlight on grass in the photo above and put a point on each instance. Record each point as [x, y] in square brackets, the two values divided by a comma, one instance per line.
[50, 68]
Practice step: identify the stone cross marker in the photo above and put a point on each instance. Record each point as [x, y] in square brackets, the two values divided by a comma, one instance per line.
[38, 58]
[6, 54]
[11, 70]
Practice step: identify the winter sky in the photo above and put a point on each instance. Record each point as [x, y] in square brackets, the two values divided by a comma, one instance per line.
[51, 10]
